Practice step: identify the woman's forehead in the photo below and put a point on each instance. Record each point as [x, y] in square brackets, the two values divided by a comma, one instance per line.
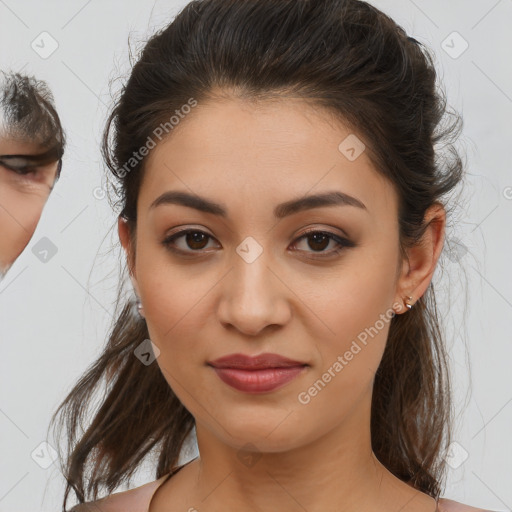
[269, 152]
[266, 180]
[285, 139]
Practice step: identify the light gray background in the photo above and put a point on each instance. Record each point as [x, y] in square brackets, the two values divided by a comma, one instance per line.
[54, 316]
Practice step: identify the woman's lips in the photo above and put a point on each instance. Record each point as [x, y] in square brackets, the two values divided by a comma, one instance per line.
[261, 380]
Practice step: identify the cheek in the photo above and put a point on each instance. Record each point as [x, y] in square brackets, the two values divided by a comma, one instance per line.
[171, 294]
[350, 355]
[175, 299]
[356, 312]
[24, 206]
[19, 216]
[173, 311]
[175, 316]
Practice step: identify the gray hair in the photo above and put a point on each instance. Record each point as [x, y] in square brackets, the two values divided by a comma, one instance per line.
[27, 112]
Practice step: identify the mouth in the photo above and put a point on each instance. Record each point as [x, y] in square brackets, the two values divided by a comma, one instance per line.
[259, 381]
[259, 374]
[259, 362]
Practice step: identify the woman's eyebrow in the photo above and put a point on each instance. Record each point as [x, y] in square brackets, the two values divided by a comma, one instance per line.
[331, 198]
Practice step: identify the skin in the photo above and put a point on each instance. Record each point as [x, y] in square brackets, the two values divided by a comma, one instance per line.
[315, 456]
[22, 198]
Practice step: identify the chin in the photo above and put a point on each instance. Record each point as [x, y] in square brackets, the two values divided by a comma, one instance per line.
[267, 433]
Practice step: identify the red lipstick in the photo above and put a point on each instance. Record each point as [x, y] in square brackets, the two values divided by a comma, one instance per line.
[259, 374]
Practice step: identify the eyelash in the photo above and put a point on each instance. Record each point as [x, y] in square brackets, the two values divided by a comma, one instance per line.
[342, 242]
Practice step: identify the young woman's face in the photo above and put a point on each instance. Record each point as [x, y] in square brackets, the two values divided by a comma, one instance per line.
[23, 194]
[251, 282]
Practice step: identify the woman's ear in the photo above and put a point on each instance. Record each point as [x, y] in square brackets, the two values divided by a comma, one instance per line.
[125, 238]
[422, 259]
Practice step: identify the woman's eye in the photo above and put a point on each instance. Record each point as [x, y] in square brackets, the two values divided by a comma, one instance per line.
[317, 241]
[193, 239]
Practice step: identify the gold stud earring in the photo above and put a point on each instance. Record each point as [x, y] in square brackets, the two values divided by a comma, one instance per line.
[407, 302]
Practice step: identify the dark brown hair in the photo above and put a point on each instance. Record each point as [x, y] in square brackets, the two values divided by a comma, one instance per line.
[352, 60]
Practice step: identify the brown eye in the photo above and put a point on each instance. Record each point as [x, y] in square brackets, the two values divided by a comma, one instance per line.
[318, 241]
[195, 240]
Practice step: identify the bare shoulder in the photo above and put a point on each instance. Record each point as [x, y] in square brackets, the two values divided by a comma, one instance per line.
[446, 505]
[132, 500]
[117, 502]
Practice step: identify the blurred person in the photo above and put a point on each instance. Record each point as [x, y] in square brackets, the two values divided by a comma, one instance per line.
[31, 148]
